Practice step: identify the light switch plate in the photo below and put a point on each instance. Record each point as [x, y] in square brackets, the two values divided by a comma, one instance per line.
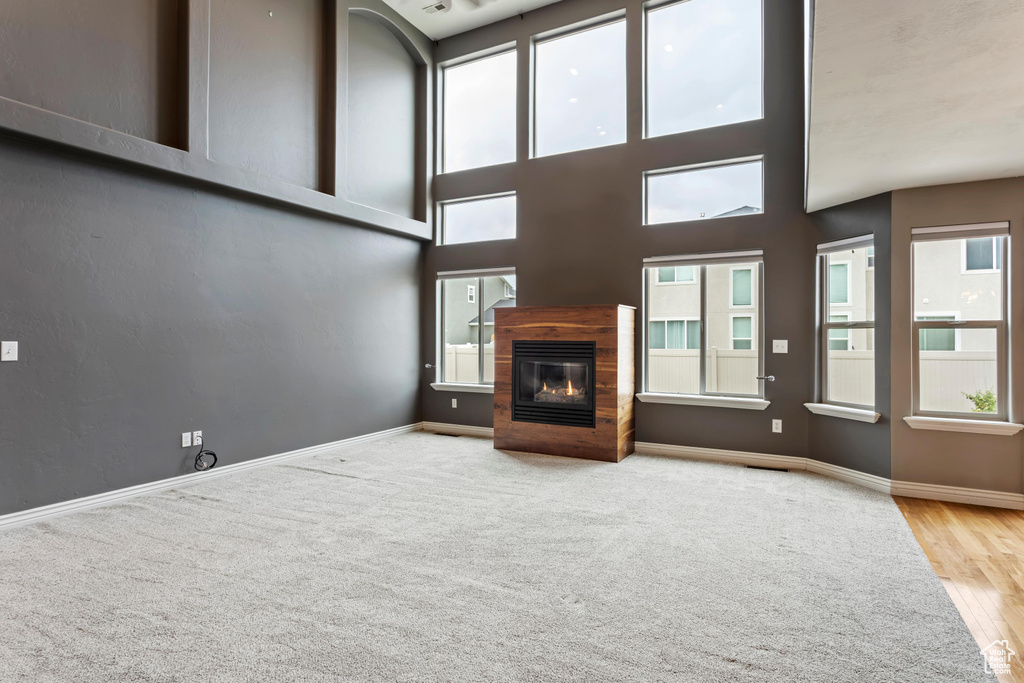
[8, 350]
[780, 346]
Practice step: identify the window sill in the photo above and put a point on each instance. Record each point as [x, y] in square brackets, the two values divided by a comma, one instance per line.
[709, 401]
[859, 414]
[465, 388]
[947, 424]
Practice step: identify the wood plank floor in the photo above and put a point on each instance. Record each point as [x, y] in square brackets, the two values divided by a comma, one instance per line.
[978, 552]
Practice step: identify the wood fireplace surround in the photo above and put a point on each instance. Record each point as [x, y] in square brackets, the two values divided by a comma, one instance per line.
[552, 365]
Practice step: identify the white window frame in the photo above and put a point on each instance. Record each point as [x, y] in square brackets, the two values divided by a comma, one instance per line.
[955, 317]
[698, 167]
[849, 282]
[1001, 326]
[480, 386]
[753, 331]
[871, 257]
[825, 313]
[654, 5]
[755, 312]
[964, 270]
[691, 281]
[677, 320]
[442, 75]
[441, 217]
[753, 290]
[601, 21]
[845, 330]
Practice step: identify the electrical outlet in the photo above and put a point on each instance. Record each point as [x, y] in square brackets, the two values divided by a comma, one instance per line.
[455, 403]
[186, 439]
[197, 438]
[780, 346]
[776, 426]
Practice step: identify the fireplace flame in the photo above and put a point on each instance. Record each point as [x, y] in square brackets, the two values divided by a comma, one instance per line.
[569, 393]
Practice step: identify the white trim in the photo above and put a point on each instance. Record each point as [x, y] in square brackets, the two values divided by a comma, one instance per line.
[732, 291]
[995, 228]
[859, 414]
[849, 282]
[480, 272]
[718, 455]
[848, 243]
[458, 430]
[949, 424]
[868, 481]
[964, 270]
[710, 258]
[753, 331]
[466, 388]
[704, 400]
[957, 494]
[47, 512]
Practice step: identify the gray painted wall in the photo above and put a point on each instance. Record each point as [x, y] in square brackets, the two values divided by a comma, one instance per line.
[382, 89]
[145, 308]
[950, 458]
[68, 57]
[266, 78]
[847, 443]
[580, 238]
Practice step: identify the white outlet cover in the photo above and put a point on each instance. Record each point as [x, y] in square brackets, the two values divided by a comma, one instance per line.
[9, 350]
[197, 438]
[455, 403]
[777, 426]
[780, 346]
[186, 439]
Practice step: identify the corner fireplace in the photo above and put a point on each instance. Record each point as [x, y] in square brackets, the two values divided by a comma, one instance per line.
[553, 382]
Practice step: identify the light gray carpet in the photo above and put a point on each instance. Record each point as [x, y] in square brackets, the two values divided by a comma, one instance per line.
[428, 557]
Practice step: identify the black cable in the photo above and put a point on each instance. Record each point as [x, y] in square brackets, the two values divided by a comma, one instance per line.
[207, 463]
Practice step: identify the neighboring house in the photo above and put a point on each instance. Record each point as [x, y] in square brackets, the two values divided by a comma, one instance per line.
[462, 307]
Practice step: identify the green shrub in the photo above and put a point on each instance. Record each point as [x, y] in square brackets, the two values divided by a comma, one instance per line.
[984, 401]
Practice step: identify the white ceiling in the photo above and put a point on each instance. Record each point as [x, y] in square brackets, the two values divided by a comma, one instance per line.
[914, 93]
[464, 15]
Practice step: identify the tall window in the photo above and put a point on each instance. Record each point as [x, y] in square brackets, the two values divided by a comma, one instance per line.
[478, 220]
[704, 338]
[703, 65]
[580, 90]
[479, 116]
[847, 299]
[467, 304]
[960, 330]
[722, 190]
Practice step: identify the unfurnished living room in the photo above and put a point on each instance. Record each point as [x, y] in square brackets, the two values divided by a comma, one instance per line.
[511, 340]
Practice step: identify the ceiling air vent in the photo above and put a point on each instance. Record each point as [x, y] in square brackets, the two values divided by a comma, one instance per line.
[438, 6]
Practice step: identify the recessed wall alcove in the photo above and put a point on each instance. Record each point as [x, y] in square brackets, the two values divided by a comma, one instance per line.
[385, 124]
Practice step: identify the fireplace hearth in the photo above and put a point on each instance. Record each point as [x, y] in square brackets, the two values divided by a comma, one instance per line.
[553, 382]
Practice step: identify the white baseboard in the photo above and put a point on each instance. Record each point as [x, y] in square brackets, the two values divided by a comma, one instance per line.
[953, 494]
[717, 455]
[46, 512]
[868, 481]
[458, 430]
[957, 494]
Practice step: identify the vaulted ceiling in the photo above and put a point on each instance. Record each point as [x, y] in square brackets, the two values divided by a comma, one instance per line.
[913, 93]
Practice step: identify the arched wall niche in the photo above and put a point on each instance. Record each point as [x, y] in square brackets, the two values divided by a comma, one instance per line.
[386, 116]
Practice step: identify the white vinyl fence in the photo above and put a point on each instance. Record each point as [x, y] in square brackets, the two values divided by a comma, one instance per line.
[462, 364]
